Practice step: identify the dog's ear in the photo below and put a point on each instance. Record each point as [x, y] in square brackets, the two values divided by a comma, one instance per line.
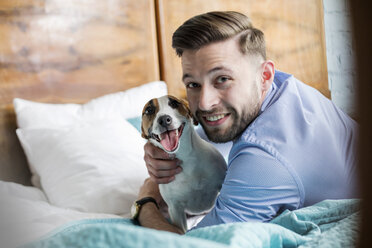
[143, 133]
[189, 114]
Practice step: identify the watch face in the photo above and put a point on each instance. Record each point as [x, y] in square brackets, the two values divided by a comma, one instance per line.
[134, 210]
[136, 207]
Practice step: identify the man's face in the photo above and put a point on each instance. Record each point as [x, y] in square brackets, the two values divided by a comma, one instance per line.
[223, 88]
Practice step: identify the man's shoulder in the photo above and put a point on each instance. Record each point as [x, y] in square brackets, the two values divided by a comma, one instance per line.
[250, 143]
[294, 114]
[286, 92]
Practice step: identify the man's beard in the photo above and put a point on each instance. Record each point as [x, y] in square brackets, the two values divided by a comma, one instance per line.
[239, 123]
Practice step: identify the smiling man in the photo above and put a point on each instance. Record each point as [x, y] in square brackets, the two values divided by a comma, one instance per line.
[291, 146]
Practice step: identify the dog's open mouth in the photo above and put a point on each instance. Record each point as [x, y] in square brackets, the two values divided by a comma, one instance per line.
[170, 138]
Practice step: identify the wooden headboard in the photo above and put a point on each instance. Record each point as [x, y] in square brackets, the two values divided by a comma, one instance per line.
[70, 51]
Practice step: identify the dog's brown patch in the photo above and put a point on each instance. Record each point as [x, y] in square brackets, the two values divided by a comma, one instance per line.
[182, 106]
[149, 112]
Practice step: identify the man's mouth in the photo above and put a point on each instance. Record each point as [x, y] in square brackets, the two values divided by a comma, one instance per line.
[214, 120]
[170, 138]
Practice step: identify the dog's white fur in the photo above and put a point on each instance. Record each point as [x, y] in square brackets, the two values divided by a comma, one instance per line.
[195, 189]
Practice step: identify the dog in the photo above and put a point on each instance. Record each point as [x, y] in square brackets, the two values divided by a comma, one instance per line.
[167, 123]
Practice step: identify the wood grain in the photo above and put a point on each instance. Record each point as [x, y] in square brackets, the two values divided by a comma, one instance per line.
[294, 33]
[69, 51]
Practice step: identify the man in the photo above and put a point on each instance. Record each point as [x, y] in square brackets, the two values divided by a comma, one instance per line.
[292, 147]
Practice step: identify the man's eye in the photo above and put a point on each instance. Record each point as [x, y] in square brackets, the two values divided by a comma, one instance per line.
[149, 110]
[222, 79]
[192, 85]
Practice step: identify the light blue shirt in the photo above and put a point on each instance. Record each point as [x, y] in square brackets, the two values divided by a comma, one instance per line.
[300, 150]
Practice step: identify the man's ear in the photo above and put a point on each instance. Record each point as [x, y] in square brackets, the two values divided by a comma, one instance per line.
[267, 75]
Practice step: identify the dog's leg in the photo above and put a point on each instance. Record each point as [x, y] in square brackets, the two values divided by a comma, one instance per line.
[178, 217]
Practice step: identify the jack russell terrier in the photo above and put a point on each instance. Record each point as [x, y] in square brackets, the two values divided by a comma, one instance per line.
[167, 123]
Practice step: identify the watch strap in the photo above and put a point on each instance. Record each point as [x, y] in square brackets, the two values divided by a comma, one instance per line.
[139, 203]
[145, 200]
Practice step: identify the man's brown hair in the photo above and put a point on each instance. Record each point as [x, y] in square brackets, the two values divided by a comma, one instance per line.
[216, 26]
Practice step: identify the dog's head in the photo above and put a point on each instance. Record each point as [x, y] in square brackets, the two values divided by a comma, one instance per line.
[164, 120]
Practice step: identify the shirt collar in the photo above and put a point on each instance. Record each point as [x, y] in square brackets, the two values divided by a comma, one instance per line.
[268, 97]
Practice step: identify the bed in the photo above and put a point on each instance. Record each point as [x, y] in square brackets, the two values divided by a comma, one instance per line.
[74, 77]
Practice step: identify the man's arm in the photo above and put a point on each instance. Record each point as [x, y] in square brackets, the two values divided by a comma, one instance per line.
[162, 169]
[150, 216]
[257, 188]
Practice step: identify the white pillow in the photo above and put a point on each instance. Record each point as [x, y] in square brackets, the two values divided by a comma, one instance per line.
[125, 104]
[92, 167]
[87, 157]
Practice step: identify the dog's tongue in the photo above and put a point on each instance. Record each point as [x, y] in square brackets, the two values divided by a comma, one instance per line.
[169, 140]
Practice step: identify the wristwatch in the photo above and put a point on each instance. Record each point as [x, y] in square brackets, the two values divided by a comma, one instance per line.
[137, 205]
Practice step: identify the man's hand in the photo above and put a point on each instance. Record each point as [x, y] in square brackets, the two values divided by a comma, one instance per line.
[161, 166]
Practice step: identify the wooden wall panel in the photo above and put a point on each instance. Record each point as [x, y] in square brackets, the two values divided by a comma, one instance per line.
[58, 50]
[294, 33]
[69, 51]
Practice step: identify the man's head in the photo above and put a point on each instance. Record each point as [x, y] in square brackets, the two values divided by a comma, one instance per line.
[224, 70]
[216, 26]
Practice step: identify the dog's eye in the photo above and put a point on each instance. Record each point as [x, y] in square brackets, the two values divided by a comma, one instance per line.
[149, 110]
[173, 103]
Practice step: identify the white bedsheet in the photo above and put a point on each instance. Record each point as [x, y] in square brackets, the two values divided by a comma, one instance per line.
[26, 215]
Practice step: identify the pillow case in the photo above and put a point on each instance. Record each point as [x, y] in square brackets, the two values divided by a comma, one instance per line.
[125, 104]
[92, 167]
[87, 157]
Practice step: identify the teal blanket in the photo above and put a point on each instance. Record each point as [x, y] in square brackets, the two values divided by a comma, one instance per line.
[331, 223]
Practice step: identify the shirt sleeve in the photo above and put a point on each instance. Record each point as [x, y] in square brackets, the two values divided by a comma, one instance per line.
[257, 187]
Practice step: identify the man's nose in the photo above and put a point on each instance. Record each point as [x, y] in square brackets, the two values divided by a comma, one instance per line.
[208, 98]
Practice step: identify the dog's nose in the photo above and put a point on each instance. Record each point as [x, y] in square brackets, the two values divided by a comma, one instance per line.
[165, 120]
